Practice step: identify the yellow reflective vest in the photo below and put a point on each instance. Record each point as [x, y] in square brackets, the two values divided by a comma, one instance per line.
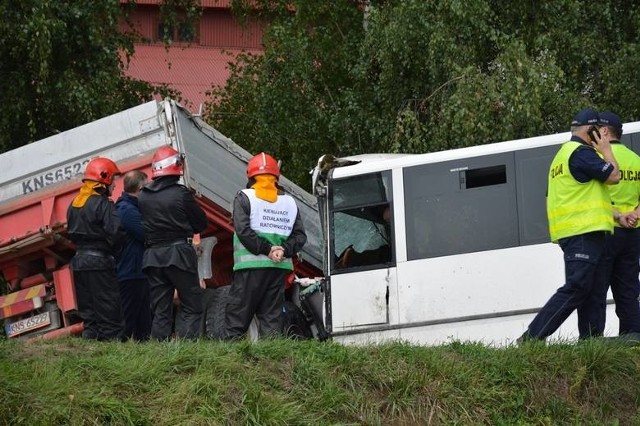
[573, 207]
[625, 195]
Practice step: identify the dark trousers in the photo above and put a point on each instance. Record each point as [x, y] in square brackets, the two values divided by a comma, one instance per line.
[581, 256]
[162, 283]
[136, 308]
[99, 304]
[619, 269]
[258, 292]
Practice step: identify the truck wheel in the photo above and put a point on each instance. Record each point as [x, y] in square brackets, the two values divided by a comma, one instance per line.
[215, 300]
[295, 324]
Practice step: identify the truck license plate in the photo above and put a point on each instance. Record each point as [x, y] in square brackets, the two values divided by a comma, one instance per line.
[28, 324]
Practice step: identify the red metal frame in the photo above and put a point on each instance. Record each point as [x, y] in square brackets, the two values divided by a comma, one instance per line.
[65, 290]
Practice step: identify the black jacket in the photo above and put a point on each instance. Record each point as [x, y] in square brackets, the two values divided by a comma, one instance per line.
[95, 228]
[170, 215]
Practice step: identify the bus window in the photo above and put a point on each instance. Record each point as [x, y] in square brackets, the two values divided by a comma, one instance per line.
[461, 206]
[362, 222]
[374, 188]
[363, 239]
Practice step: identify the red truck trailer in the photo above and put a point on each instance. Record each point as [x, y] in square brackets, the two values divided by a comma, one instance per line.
[38, 181]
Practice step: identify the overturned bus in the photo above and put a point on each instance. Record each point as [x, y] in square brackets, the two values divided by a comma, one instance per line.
[450, 245]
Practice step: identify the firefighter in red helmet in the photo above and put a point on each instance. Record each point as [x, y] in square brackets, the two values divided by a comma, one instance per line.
[167, 161]
[262, 164]
[101, 170]
[170, 218]
[94, 227]
[268, 233]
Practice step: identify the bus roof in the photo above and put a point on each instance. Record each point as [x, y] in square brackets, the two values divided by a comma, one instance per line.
[370, 163]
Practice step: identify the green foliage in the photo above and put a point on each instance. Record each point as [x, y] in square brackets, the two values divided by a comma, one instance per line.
[417, 76]
[295, 100]
[71, 381]
[62, 66]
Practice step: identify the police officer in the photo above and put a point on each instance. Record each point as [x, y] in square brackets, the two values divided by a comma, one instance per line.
[580, 216]
[620, 266]
[268, 233]
[170, 217]
[95, 229]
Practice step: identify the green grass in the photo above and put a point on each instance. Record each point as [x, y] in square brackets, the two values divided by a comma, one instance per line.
[284, 382]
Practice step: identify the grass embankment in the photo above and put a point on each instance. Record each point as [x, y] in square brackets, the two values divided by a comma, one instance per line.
[70, 381]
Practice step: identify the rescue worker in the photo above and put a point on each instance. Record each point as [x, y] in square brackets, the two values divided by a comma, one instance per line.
[620, 265]
[94, 227]
[134, 286]
[170, 218]
[580, 216]
[268, 233]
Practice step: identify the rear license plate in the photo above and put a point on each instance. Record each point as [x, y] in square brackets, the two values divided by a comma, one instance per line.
[28, 324]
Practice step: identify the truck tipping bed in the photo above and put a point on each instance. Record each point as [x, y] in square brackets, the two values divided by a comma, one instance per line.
[215, 165]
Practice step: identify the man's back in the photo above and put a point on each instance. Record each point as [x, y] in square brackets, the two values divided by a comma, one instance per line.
[169, 211]
[130, 258]
[95, 224]
[626, 194]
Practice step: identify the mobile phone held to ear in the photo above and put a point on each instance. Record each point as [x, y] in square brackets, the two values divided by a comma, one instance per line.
[593, 131]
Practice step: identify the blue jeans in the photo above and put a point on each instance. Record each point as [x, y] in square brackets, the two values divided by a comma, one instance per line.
[619, 269]
[581, 256]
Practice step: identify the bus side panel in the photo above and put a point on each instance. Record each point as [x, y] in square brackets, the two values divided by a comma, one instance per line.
[498, 332]
[359, 299]
[490, 283]
[372, 337]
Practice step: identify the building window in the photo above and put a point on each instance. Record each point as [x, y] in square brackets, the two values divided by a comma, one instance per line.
[184, 33]
[165, 32]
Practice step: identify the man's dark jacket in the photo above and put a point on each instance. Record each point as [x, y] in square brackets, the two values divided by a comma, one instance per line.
[130, 258]
[170, 216]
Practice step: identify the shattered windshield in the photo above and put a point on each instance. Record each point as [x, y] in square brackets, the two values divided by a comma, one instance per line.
[362, 234]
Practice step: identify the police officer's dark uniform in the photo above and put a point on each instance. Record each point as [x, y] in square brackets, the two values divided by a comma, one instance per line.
[580, 215]
[95, 229]
[261, 223]
[171, 216]
[620, 265]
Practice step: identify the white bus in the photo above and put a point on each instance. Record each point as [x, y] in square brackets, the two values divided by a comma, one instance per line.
[470, 257]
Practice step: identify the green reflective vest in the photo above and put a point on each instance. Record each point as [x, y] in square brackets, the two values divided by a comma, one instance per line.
[271, 221]
[575, 208]
[625, 195]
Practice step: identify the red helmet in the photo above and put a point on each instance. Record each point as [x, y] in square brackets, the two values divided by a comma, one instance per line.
[167, 161]
[101, 170]
[263, 164]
